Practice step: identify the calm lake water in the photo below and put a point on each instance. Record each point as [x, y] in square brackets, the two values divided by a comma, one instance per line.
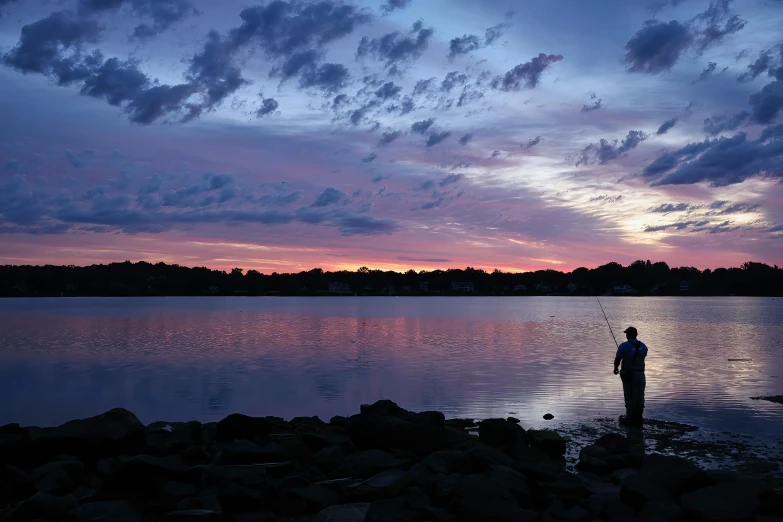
[203, 358]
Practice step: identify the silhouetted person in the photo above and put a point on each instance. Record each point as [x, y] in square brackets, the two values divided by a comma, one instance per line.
[632, 354]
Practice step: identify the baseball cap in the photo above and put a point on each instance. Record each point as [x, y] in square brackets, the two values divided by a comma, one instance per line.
[631, 330]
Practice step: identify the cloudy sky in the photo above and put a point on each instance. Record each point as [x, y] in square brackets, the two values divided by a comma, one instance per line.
[284, 135]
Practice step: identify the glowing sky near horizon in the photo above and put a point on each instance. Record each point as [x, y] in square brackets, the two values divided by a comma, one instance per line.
[287, 135]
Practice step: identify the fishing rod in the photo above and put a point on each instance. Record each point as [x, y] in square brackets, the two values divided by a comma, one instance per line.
[607, 321]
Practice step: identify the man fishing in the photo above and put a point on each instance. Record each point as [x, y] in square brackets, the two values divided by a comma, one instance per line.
[632, 354]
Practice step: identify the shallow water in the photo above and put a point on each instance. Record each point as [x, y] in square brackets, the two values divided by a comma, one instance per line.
[202, 358]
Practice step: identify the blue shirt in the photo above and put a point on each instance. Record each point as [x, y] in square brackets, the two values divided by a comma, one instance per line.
[626, 352]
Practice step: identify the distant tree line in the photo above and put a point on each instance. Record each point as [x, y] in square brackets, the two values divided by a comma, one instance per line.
[147, 279]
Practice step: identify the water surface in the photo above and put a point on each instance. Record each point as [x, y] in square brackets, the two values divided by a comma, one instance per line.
[202, 358]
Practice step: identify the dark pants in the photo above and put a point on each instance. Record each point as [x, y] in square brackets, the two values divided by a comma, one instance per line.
[633, 390]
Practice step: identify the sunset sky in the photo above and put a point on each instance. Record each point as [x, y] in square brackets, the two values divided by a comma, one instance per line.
[396, 134]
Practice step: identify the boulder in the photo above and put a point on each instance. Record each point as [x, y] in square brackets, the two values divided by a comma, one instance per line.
[252, 475]
[15, 485]
[513, 481]
[730, 501]
[365, 464]
[194, 515]
[310, 499]
[661, 511]
[318, 440]
[676, 474]
[420, 433]
[337, 421]
[542, 471]
[548, 441]
[557, 512]
[117, 431]
[41, 506]
[461, 424]
[386, 484]
[59, 477]
[501, 433]
[449, 461]
[390, 510]
[166, 438]
[548, 416]
[329, 458]
[236, 498]
[614, 443]
[116, 511]
[636, 491]
[344, 513]
[478, 499]
[173, 492]
[238, 426]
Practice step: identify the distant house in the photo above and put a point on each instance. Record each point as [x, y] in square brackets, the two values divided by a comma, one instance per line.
[572, 287]
[543, 287]
[424, 286]
[623, 289]
[657, 289]
[462, 287]
[685, 286]
[406, 289]
[339, 288]
[520, 288]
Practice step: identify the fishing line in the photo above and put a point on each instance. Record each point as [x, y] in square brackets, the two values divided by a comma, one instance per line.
[607, 321]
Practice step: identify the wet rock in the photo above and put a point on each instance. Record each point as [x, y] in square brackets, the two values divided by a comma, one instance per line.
[340, 486]
[730, 501]
[676, 474]
[166, 438]
[618, 476]
[305, 424]
[478, 499]
[246, 452]
[513, 420]
[609, 507]
[330, 458]
[385, 484]
[238, 426]
[15, 485]
[461, 424]
[557, 512]
[59, 477]
[448, 461]
[365, 464]
[318, 440]
[501, 433]
[235, 498]
[117, 431]
[312, 499]
[636, 492]
[344, 513]
[483, 456]
[142, 475]
[41, 506]
[417, 432]
[194, 515]
[543, 471]
[513, 481]
[338, 421]
[660, 510]
[252, 475]
[548, 416]
[116, 511]
[390, 510]
[548, 441]
[614, 444]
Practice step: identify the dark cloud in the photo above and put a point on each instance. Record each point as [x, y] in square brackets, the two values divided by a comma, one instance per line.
[680, 225]
[765, 63]
[116, 81]
[596, 105]
[215, 72]
[716, 124]
[532, 143]
[713, 33]
[766, 104]
[159, 102]
[437, 137]
[162, 14]
[388, 137]
[388, 90]
[605, 151]
[453, 79]
[451, 179]
[435, 203]
[370, 158]
[771, 132]
[365, 225]
[667, 208]
[526, 74]
[604, 198]
[465, 139]
[722, 161]
[708, 71]
[327, 77]
[423, 86]
[492, 34]
[421, 127]
[53, 46]
[463, 45]
[268, 106]
[657, 46]
[330, 196]
[427, 185]
[736, 208]
[396, 49]
[666, 126]
[423, 259]
[393, 5]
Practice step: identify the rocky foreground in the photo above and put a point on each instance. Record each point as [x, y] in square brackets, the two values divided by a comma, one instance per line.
[384, 464]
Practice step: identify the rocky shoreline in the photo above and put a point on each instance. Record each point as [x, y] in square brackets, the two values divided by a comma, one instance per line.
[382, 464]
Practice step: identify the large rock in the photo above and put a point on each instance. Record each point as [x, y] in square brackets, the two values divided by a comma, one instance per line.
[636, 492]
[614, 443]
[729, 501]
[450, 461]
[166, 438]
[194, 515]
[117, 511]
[390, 510]
[548, 441]
[117, 431]
[365, 464]
[41, 506]
[501, 433]
[247, 452]
[385, 484]
[676, 474]
[557, 512]
[59, 477]
[15, 485]
[238, 426]
[418, 432]
[318, 440]
[344, 513]
[480, 499]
